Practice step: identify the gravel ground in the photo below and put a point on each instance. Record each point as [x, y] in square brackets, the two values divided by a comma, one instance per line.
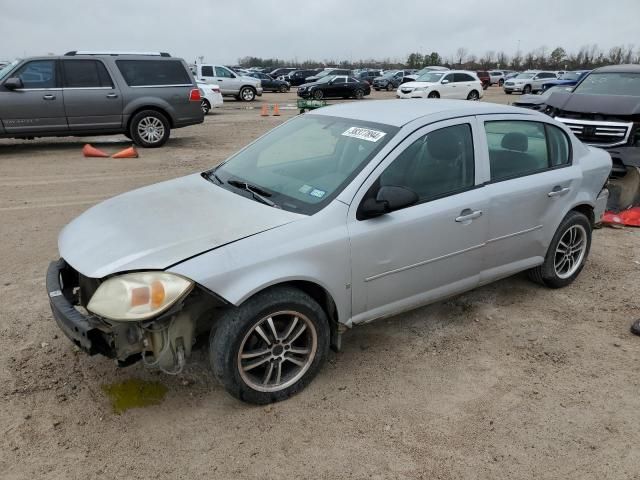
[508, 381]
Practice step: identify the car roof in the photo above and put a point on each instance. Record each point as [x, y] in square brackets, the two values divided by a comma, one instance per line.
[400, 112]
[619, 69]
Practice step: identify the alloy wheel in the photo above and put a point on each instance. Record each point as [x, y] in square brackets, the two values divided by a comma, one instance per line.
[277, 351]
[151, 129]
[570, 251]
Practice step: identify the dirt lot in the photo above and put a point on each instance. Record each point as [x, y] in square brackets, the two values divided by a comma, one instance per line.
[508, 381]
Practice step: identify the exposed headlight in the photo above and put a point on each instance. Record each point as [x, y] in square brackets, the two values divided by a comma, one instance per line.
[138, 296]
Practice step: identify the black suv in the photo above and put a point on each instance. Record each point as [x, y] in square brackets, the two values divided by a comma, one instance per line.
[603, 110]
[142, 96]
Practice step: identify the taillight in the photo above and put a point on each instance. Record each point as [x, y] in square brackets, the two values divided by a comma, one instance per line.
[194, 95]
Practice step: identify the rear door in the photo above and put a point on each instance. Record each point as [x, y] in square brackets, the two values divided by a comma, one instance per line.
[463, 85]
[91, 98]
[38, 106]
[532, 180]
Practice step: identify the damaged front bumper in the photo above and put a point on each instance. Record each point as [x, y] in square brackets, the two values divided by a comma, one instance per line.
[164, 341]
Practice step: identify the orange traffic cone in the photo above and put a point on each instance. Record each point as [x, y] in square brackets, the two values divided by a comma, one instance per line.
[130, 152]
[265, 111]
[89, 151]
[276, 110]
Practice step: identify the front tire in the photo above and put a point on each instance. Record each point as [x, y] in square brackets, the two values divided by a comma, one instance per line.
[149, 129]
[247, 94]
[526, 90]
[389, 87]
[271, 346]
[433, 95]
[318, 94]
[567, 252]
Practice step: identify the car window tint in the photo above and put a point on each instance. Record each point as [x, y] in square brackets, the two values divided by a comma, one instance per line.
[207, 71]
[559, 150]
[223, 72]
[440, 163]
[85, 74]
[463, 77]
[449, 77]
[38, 74]
[139, 73]
[516, 148]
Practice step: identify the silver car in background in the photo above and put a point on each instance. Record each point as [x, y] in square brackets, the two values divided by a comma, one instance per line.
[338, 217]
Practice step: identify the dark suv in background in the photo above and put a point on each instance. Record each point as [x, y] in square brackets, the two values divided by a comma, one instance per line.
[83, 93]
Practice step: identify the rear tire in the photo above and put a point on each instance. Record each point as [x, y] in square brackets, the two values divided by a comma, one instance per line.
[149, 129]
[507, 92]
[206, 106]
[283, 89]
[500, 83]
[252, 352]
[473, 95]
[565, 257]
[247, 94]
[359, 94]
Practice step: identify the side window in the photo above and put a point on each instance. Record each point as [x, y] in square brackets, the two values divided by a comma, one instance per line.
[352, 80]
[399, 75]
[559, 150]
[206, 71]
[450, 78]
[438, 164]
[142, 73]
[463, 77]
[38, 74]
[223, 72]
[516, 148]
[85, 74]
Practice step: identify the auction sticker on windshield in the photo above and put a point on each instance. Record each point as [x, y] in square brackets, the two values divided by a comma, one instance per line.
[364, 134]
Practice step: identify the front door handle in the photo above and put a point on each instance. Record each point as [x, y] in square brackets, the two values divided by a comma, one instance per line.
[48, 96]
[112, 95]
[558, 191]
[467, 215]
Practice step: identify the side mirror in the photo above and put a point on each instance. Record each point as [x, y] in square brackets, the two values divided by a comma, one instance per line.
[444, 82]
[13, 83]
[387, 200]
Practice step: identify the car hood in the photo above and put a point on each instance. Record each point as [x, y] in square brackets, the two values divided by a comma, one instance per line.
[418, 84]
[529, 100]
[158, 226]
[602, 104]
[381, 78]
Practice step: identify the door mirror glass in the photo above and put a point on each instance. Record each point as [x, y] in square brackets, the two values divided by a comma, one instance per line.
[13, 83]
[444, 82]
[388, 199]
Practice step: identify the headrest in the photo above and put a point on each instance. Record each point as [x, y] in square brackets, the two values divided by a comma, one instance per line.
[443, 144]
[515, 141]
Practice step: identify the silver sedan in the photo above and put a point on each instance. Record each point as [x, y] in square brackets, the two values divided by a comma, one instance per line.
[336, 218]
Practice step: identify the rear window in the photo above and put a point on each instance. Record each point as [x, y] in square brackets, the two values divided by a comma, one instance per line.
[143, 73]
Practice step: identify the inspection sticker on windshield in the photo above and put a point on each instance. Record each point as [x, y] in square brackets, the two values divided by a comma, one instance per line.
[317, 193]
[364, 134]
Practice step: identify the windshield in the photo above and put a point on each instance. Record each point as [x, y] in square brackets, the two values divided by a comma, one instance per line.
[324, 73]
[390, 74]
[558, 88]
[326, 79]
[302, 165]
[432, 77]
[606, 83]
[525, 75]
[7, 68]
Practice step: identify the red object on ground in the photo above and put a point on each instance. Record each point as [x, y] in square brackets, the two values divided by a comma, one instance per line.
[629, 217]
[130, 152]
[89, 151]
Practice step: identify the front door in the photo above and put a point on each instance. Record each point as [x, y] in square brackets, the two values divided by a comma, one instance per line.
[447, 86]
[227, 81]
[431, 249]
[38, 107]
[91, 100]
[532, 181]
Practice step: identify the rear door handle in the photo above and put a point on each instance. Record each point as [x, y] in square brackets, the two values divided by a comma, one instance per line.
[48, 96]
[467, 215]
[112, 95]
[558, 191]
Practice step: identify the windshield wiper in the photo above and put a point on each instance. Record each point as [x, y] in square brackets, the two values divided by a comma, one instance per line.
[210, 174]
[258, 193]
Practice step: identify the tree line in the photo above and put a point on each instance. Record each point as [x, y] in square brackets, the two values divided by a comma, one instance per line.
[587, 57]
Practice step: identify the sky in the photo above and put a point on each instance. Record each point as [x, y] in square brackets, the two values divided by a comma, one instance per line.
[223, 31]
